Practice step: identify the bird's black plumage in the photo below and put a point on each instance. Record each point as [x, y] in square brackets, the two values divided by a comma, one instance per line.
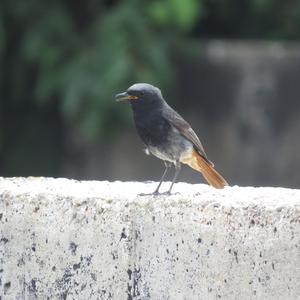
[164, 132]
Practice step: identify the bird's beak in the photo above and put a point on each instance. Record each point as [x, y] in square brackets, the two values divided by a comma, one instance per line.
[125, 96]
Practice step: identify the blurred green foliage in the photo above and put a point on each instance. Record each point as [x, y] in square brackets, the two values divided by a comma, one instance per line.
[176, 14]
[79, 53]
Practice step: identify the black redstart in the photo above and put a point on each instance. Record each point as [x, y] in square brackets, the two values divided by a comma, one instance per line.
[167, 135]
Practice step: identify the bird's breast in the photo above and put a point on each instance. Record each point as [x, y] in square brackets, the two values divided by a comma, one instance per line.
[152, 129]
[161, 138]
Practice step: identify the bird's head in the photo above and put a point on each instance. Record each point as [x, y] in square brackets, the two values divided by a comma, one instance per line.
[142, 94]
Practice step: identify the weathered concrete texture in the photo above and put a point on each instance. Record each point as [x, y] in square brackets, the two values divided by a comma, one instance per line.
[63, 239]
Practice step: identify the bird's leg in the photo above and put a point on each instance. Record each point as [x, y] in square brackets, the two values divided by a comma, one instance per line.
[167, 165]
[177, 171]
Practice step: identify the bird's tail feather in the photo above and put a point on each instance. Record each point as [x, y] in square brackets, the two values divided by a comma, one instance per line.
[200, 164]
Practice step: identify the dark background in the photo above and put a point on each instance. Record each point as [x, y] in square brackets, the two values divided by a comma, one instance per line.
[231, 68]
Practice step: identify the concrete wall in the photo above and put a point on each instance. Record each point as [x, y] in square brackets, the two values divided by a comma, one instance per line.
[63, 239]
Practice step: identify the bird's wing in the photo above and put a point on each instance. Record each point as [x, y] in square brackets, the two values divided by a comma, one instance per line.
[185, 130]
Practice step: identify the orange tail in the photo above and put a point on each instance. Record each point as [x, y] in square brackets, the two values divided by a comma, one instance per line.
[198, 163]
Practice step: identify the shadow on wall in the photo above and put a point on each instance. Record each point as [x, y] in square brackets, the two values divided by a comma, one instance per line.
[253, 136]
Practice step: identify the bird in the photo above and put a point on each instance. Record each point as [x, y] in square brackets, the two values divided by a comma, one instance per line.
[167, 135]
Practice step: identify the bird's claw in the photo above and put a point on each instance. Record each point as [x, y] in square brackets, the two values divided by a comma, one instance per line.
[156, 193]
[168, 193]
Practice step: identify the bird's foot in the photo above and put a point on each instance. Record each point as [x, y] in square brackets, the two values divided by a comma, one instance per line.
[168, 193]
[156, 193]
[149, 194]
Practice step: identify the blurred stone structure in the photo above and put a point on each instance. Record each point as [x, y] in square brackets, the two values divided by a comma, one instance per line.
[242, 98]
